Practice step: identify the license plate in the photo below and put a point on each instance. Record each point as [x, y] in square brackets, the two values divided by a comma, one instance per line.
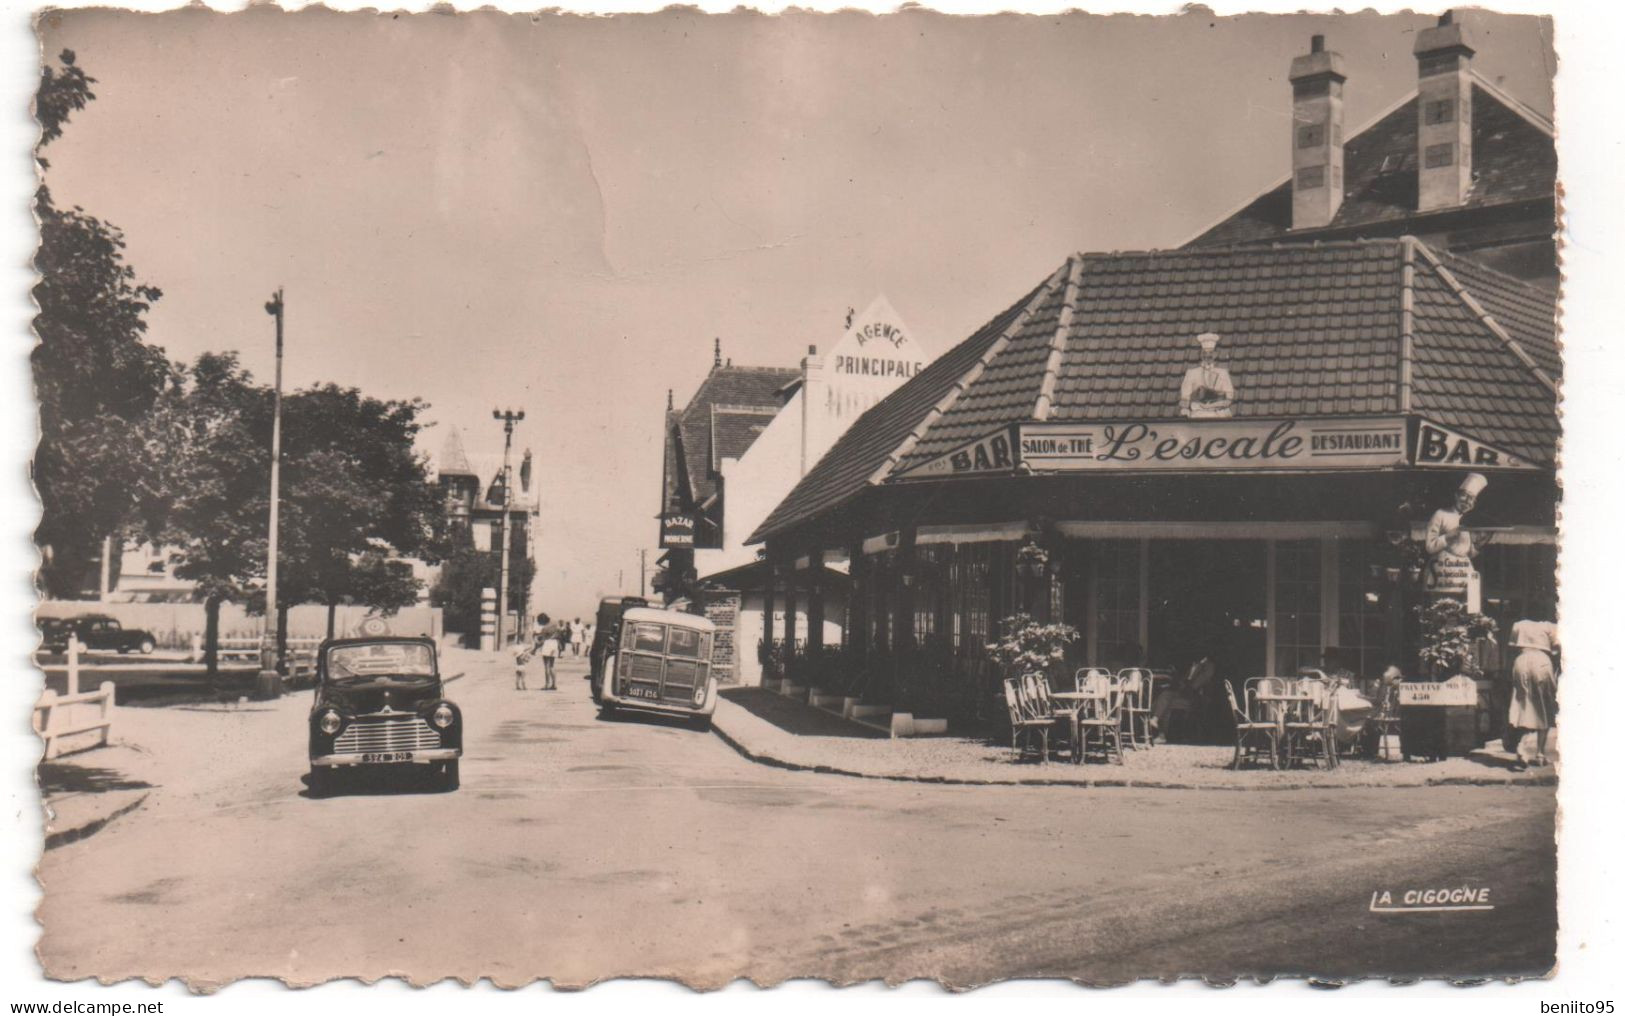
[387, 756]
[643, 693]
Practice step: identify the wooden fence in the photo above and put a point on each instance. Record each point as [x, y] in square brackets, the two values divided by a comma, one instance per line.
[78, 720]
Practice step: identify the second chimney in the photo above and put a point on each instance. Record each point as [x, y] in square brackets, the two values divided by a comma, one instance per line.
[1444, 109]
[1317, 135]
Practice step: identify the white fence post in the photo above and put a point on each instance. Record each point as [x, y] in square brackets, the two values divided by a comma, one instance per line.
[107, 691]
[73, 664]
[197, 648]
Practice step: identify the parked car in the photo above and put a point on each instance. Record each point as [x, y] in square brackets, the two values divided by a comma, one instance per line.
[95, 631]
[380, 702]
[661, 664]
[606, 634]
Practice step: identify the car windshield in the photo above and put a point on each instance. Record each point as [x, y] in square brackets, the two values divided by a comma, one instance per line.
[377, 659]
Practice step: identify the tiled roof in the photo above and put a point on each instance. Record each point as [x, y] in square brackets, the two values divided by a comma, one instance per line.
[735, 428]
[695, 435]
[1307, 330]
[1528, 313]
[1513, 160]
[1469, 378]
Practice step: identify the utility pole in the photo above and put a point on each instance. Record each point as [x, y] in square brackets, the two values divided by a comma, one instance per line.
[643, 589]
[268, 685]
[509, 417]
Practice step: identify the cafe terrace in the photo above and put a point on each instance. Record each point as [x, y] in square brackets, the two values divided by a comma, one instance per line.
[1048, 464]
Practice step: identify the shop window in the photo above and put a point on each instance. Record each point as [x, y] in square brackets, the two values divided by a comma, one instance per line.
[1363, 590]
[1117, 601]
[975, 561]
[929, 590]
[1297, 605]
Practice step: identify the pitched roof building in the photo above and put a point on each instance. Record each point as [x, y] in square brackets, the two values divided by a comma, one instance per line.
[1230, 451]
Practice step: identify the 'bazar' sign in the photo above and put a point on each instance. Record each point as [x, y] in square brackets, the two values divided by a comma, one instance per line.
[677, 531]
[1214, 444]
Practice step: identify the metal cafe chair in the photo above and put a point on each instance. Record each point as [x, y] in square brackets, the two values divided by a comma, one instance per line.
[1311, 729]
[1253, 733]
[1102, 724]
[1084, 674]
[1134, 684]
[1036, 699]
[1024, 725]
[1383, 724]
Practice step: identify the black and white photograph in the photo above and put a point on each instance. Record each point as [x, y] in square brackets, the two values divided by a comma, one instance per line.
[860, 496]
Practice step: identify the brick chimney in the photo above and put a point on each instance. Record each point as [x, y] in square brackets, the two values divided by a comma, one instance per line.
[815, 422]
[1444, 109]
[1317, 135]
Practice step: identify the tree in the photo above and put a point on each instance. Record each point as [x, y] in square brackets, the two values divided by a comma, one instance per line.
[355, 494]
[96, 380]
[210, 501]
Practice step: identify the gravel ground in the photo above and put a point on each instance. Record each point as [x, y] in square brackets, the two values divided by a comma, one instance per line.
[763, 726]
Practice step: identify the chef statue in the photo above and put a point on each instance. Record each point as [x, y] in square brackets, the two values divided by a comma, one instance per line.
[1449, 547]
[1207, 393]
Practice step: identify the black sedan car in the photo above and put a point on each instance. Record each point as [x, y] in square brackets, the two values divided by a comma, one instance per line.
[380, 704]
[95, 631]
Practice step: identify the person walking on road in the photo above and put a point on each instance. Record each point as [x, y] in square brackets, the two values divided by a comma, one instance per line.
[575, 636]
[522, 652]
[549, 650]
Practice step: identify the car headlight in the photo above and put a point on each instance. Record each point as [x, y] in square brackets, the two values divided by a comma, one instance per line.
[443, 716]
[330, 722]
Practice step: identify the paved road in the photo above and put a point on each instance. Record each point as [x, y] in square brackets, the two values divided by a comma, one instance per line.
[580, 850]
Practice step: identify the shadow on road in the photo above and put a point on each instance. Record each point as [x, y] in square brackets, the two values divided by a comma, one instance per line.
[56, 778]
[797, 717]
[381, 783]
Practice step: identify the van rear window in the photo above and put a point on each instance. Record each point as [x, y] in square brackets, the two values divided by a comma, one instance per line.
[647, 637]
[686, 642]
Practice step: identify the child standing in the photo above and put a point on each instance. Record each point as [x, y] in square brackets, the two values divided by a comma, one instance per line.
[522, 652]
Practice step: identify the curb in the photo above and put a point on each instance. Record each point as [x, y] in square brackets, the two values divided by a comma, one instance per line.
[1093, 784]
[63, 837]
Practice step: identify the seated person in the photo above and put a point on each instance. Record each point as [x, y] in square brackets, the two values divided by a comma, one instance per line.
[1188, 696]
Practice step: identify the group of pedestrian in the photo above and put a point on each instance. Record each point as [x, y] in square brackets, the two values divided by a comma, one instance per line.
[549, 640]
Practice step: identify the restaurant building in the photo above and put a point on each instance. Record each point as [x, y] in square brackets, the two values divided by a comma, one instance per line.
[1227, 451]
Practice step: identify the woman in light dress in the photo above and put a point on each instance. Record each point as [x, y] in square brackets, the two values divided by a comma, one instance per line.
[1534, 686]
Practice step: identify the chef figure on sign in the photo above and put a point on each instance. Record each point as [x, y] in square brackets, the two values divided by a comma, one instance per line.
[1207, 393]
[1449, 547]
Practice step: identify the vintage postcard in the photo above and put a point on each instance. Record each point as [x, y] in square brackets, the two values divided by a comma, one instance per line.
[544, 497]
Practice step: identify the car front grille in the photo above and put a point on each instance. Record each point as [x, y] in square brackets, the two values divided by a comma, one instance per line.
[371, 734]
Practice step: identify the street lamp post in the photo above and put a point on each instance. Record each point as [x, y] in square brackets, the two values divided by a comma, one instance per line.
[509, 417]
[268, 685]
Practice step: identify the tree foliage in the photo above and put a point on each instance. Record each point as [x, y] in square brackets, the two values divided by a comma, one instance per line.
[468, 571]
[96, 380]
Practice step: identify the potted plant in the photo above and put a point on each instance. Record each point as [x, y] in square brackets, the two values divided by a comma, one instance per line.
[1450, 639]
[1031, 560]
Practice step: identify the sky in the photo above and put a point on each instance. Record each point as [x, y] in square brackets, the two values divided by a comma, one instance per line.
[561, 213]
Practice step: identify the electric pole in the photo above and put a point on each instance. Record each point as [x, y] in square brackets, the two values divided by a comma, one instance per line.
[268, 685]
[643, 590]
[509, 417]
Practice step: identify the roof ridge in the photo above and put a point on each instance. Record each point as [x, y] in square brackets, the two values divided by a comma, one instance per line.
[1512, 102]
[968, 378]
[1407, 321]
[1485, 317]
[1057, 346]
[1255, 247]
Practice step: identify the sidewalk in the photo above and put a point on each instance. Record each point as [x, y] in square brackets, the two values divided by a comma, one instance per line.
[85, 791]
[774, 730]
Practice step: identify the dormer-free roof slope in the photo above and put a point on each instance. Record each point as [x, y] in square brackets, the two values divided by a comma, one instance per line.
[1514, 161]
[1381, 327]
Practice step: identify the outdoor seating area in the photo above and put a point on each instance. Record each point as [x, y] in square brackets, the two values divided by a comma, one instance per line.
[1312, 720]
[1098, 718]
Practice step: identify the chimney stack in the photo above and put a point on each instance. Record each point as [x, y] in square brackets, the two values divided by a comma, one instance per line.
[1444, 109]
[1317, 135]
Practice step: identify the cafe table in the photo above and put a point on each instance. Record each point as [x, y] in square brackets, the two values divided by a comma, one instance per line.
[1278, 707]
[1077, 702]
